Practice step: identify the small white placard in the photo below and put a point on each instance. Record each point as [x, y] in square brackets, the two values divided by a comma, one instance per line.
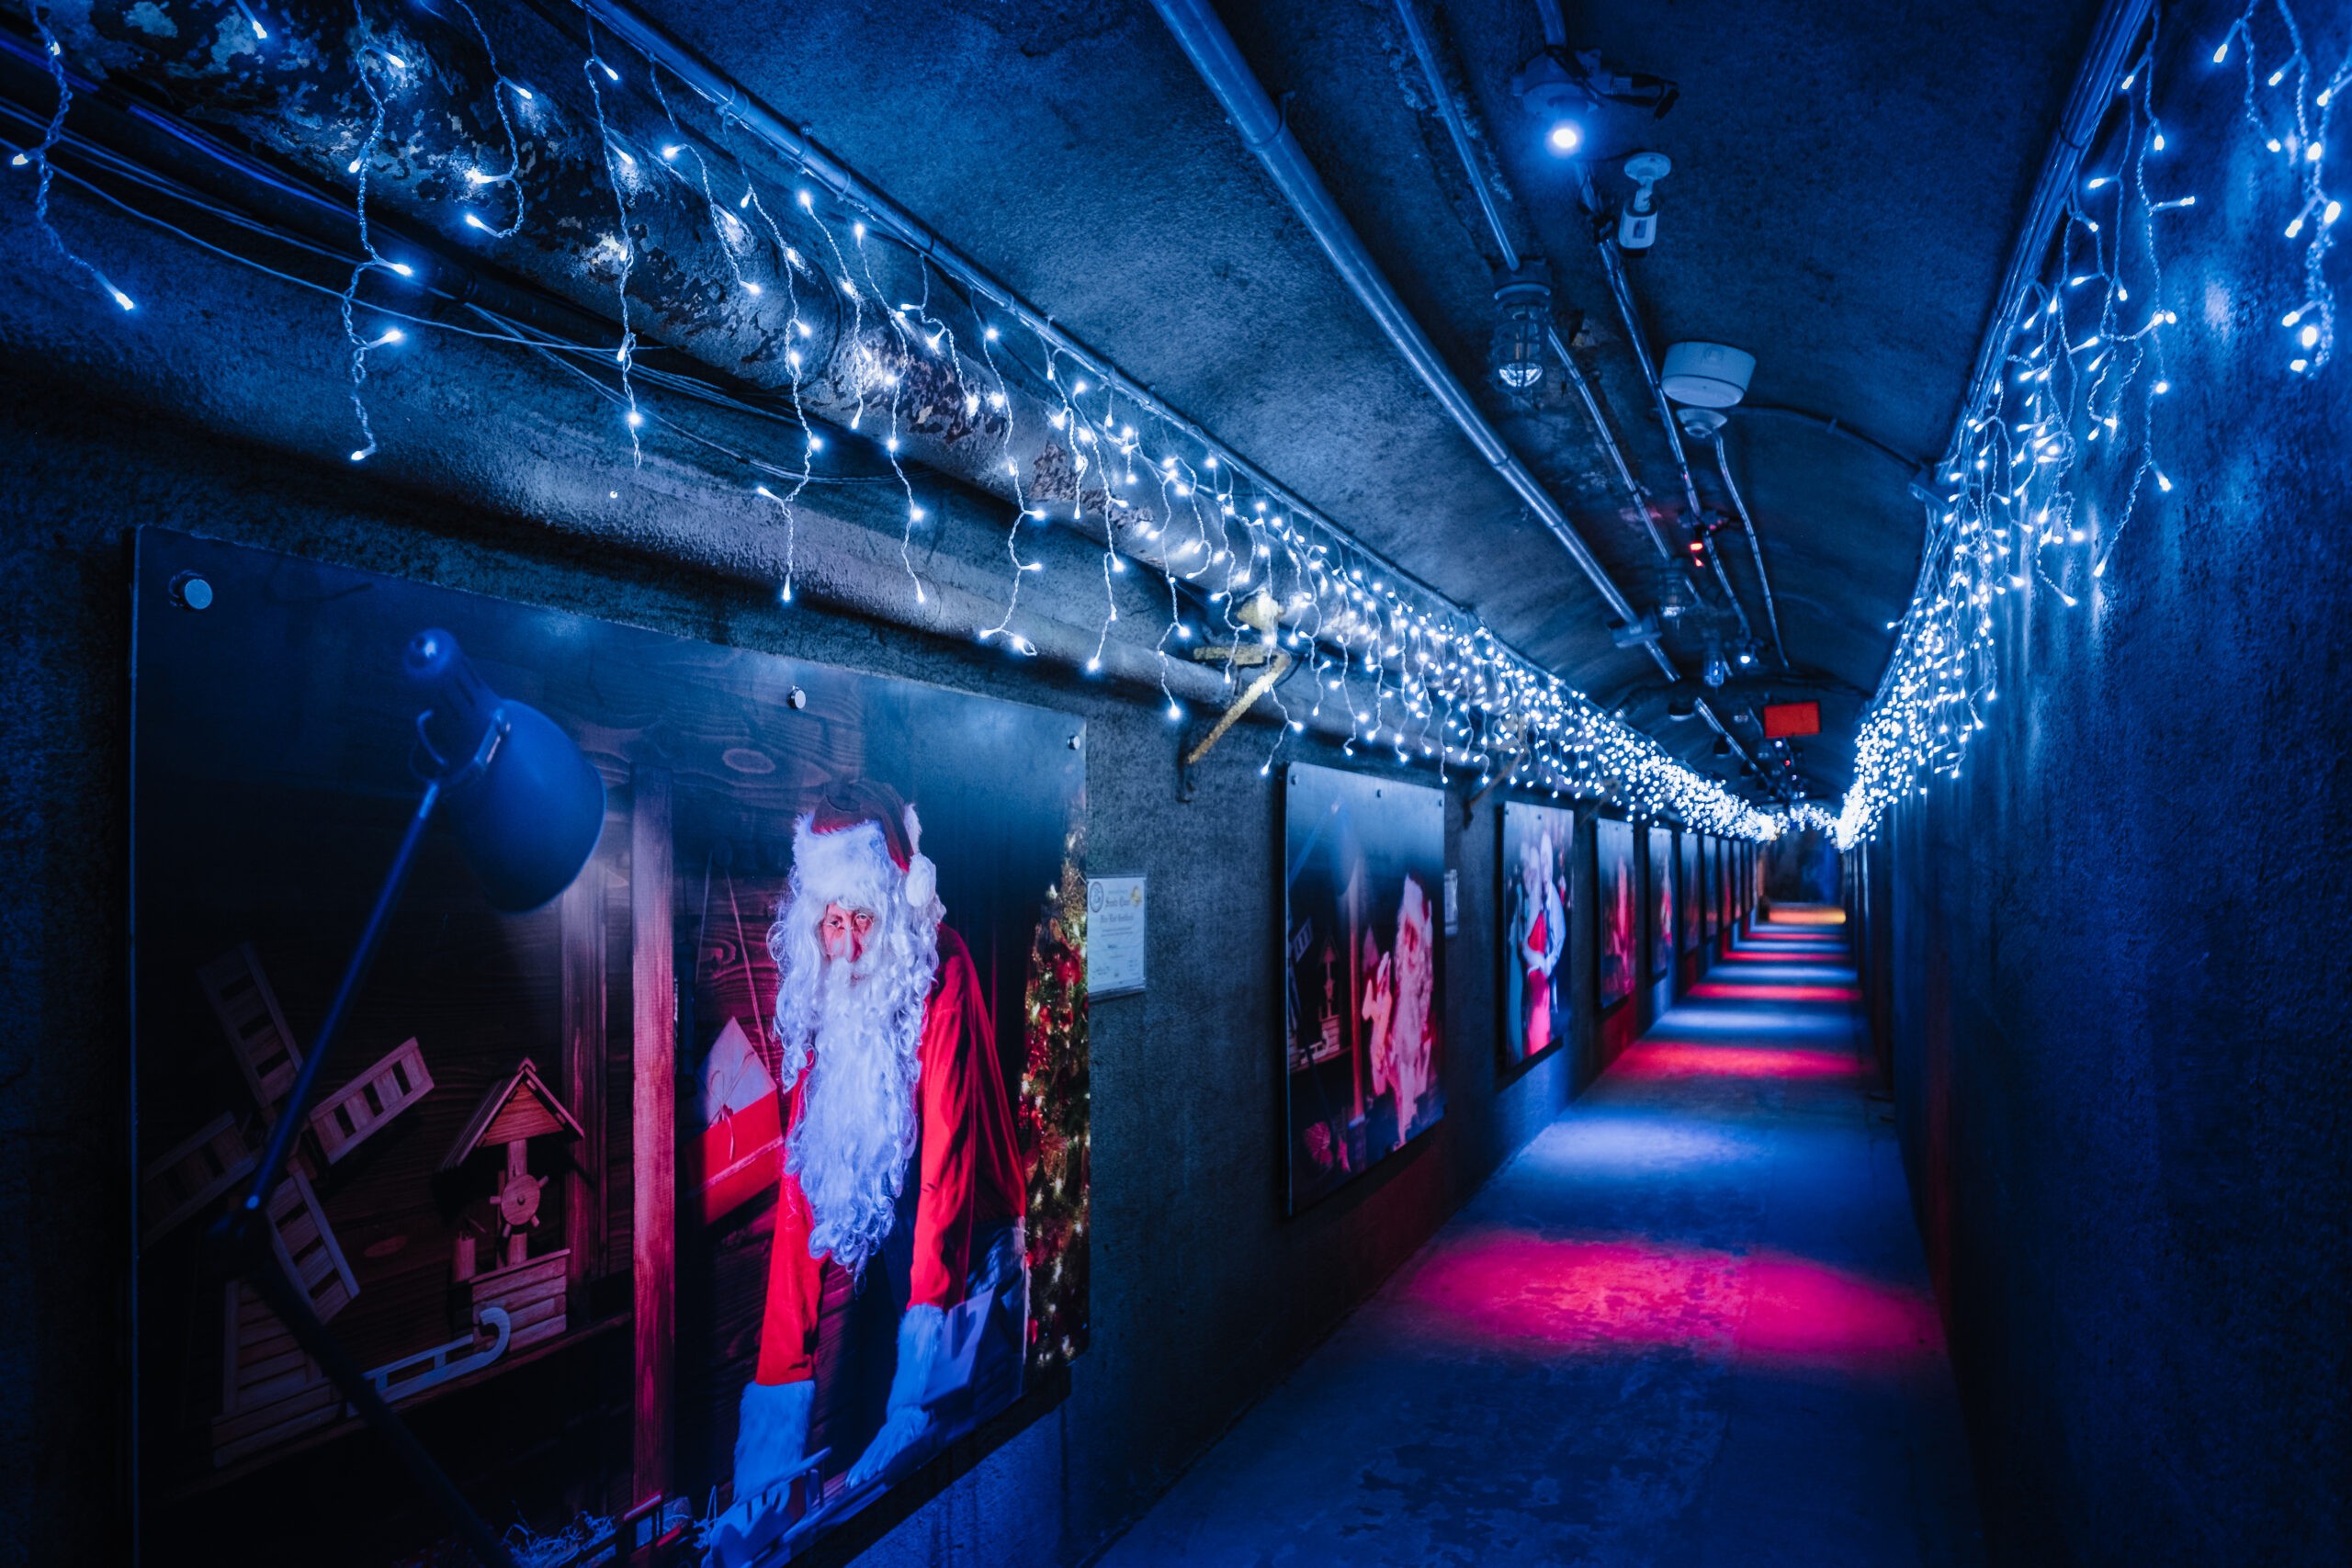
[1115, 936]
[1453, 902]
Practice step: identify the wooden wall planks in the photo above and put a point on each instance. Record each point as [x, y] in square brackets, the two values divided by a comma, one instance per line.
[652, 1128]
[580, 919]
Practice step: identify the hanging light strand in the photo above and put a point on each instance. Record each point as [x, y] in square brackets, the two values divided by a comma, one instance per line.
[1421, 680]
[2083, 375]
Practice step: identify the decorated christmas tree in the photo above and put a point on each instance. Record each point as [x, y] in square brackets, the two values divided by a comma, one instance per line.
[1054, 1111]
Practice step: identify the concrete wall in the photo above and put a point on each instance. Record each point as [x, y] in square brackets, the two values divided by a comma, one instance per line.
[1203, 1294]
[2116, 953]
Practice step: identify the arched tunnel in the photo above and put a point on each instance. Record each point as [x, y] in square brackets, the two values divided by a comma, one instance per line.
[1136, 782]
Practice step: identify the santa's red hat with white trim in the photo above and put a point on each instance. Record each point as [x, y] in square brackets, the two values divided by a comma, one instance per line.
[862, 845]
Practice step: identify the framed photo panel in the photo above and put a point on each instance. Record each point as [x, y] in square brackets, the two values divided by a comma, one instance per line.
[1694, 917]
[1363, 973]
[1620, 916]
[1537, 899]
[741, 1169]
[1727, 883]
[1661, 902]
[1711, 883]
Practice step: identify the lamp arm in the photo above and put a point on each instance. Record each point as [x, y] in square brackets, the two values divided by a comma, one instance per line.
[293, 1309]
[291, 1115]
[297, 1109]
[238, 1236]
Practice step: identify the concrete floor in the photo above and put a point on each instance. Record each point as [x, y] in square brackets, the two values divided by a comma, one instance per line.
[1690, 1324]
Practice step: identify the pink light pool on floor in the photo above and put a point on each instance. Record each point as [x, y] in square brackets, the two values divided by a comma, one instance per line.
[1665, 1059]
[1730, 991]
[1510, 1289]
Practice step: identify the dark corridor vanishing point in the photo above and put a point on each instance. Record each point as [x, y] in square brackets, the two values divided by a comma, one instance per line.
[1689, 1324]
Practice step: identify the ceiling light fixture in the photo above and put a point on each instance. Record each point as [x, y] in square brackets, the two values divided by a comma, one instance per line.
[1522, 329]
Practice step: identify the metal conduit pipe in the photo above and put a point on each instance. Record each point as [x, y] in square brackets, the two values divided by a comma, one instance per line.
[1214, 54]
[1833, 425]
[1450, 112]
[1621, 289]
[1739, 504]
[1634, 490]
[1739, 610]
[1459, 132]
[1739, 750]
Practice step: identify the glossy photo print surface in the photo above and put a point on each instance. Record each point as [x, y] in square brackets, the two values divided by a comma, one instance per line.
[740, 1170]
[1363, 865]
[1693, 919]
[1621, 917]
[1537, 843]
[1711, 884]
[1661, 905]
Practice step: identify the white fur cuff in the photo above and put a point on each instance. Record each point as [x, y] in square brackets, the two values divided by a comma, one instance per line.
[921, 1333]
[771, 1436]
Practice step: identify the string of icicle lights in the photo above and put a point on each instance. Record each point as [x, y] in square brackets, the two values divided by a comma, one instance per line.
[1802, 815]
[1408, 673]
[2083, 375]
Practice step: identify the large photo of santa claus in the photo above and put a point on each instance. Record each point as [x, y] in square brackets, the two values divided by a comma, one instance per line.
[894, 1201]
[735, 1191]
[1363, 973]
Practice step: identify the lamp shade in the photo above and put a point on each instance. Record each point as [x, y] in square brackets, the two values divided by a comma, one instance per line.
[528, 821]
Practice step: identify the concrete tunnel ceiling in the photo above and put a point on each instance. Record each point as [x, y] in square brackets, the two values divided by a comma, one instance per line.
[1846, 190]
[1843, 200]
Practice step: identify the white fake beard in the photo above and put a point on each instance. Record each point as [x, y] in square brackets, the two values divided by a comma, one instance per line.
[856, 1131]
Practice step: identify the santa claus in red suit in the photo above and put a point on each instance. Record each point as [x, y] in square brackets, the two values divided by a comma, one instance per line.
[896, 1299]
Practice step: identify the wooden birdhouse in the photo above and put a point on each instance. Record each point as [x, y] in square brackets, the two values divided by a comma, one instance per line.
[530, 1290]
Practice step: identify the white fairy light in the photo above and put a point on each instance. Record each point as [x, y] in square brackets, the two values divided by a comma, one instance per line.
[616, 160]
[52, 56]
[1417, 676]
[1944, 660]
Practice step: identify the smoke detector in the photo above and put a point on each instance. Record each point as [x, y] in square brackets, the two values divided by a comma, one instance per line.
[1706, 374]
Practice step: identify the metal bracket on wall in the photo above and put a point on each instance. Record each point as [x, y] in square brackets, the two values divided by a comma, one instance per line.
[1261, 615]
[1471, 802]
[1271, 664]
